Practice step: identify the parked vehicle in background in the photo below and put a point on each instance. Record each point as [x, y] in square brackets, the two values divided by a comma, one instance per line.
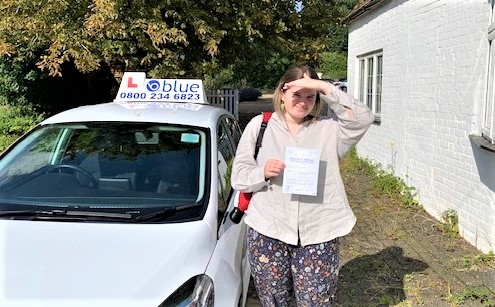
[341, 84]
[124, 204]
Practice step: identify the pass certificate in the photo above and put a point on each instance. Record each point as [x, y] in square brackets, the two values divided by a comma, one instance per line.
[301, 171]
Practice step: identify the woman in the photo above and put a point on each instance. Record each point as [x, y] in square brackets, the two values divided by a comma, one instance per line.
[293, 239]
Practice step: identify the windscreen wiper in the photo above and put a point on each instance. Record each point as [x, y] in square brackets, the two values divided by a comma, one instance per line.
[163, 213]
[58, 214]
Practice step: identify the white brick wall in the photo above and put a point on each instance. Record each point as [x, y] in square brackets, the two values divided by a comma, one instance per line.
[434, 69]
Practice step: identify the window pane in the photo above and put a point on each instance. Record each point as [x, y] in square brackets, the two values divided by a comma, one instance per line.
[379, 69]
[225, 161]
[234, 129]
[490, 101]
[361, 80]
[369, 95]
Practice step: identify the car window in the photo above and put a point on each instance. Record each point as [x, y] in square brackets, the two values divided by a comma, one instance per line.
[119, 166]
[233, 129]
[226, 153]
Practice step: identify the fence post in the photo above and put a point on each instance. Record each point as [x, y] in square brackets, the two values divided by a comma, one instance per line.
[225, 98]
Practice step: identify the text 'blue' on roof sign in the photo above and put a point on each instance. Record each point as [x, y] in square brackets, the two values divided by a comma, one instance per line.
[136, 87]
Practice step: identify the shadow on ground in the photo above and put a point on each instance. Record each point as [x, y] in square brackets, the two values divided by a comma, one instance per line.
[377, 278]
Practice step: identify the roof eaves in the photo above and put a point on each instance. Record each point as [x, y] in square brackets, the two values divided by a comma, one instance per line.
[361, 8]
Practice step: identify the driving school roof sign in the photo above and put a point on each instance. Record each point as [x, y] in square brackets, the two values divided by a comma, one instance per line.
[136, 87]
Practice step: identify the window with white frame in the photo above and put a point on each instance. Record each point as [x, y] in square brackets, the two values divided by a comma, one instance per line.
[488, 127]
[370, 69]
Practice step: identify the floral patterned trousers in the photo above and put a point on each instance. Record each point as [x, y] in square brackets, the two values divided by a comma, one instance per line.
[280, 269]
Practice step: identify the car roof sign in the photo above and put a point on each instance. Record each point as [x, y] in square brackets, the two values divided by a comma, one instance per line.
[135, 87]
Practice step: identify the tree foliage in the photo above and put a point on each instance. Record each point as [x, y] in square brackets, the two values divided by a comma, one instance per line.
[15, 121]
[173, 38]
[333, 65]
[168, 37]
[14, 82]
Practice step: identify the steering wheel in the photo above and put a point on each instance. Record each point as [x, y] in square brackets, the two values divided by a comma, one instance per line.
[77, 169]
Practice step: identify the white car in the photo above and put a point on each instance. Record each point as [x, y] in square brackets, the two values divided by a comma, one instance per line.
[124, 204]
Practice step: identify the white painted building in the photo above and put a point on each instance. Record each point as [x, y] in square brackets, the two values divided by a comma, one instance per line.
[424, 67]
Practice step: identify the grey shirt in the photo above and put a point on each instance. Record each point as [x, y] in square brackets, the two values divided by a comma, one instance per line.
[290, 217]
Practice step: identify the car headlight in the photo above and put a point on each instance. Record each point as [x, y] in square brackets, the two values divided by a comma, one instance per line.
[196, 292]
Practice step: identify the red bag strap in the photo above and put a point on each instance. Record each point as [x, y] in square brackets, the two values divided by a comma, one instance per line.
[266, 116]
[264, 123]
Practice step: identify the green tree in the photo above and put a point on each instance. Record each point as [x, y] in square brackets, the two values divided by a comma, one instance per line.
[15, 79]
[321, 29]
[333, 65]
[167, 38]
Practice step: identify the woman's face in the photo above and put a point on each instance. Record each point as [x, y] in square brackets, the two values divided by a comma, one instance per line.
[298, 102]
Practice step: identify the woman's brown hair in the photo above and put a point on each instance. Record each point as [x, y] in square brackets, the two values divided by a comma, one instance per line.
[294, 73]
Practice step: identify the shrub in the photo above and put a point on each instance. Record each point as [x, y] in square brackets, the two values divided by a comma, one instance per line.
[15, 121]
[249, 94]
[15, 78]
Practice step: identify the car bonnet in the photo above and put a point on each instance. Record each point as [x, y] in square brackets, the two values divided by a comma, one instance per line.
[93, 264]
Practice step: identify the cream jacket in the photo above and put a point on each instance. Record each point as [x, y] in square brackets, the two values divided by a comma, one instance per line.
[290, 217]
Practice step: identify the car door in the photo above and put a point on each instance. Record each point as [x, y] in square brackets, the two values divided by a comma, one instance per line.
[229, 262]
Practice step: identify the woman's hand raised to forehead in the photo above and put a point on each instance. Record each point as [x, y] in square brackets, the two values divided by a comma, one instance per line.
[307, 82]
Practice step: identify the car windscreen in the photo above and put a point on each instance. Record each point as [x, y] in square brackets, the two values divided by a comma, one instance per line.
[134, 168]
